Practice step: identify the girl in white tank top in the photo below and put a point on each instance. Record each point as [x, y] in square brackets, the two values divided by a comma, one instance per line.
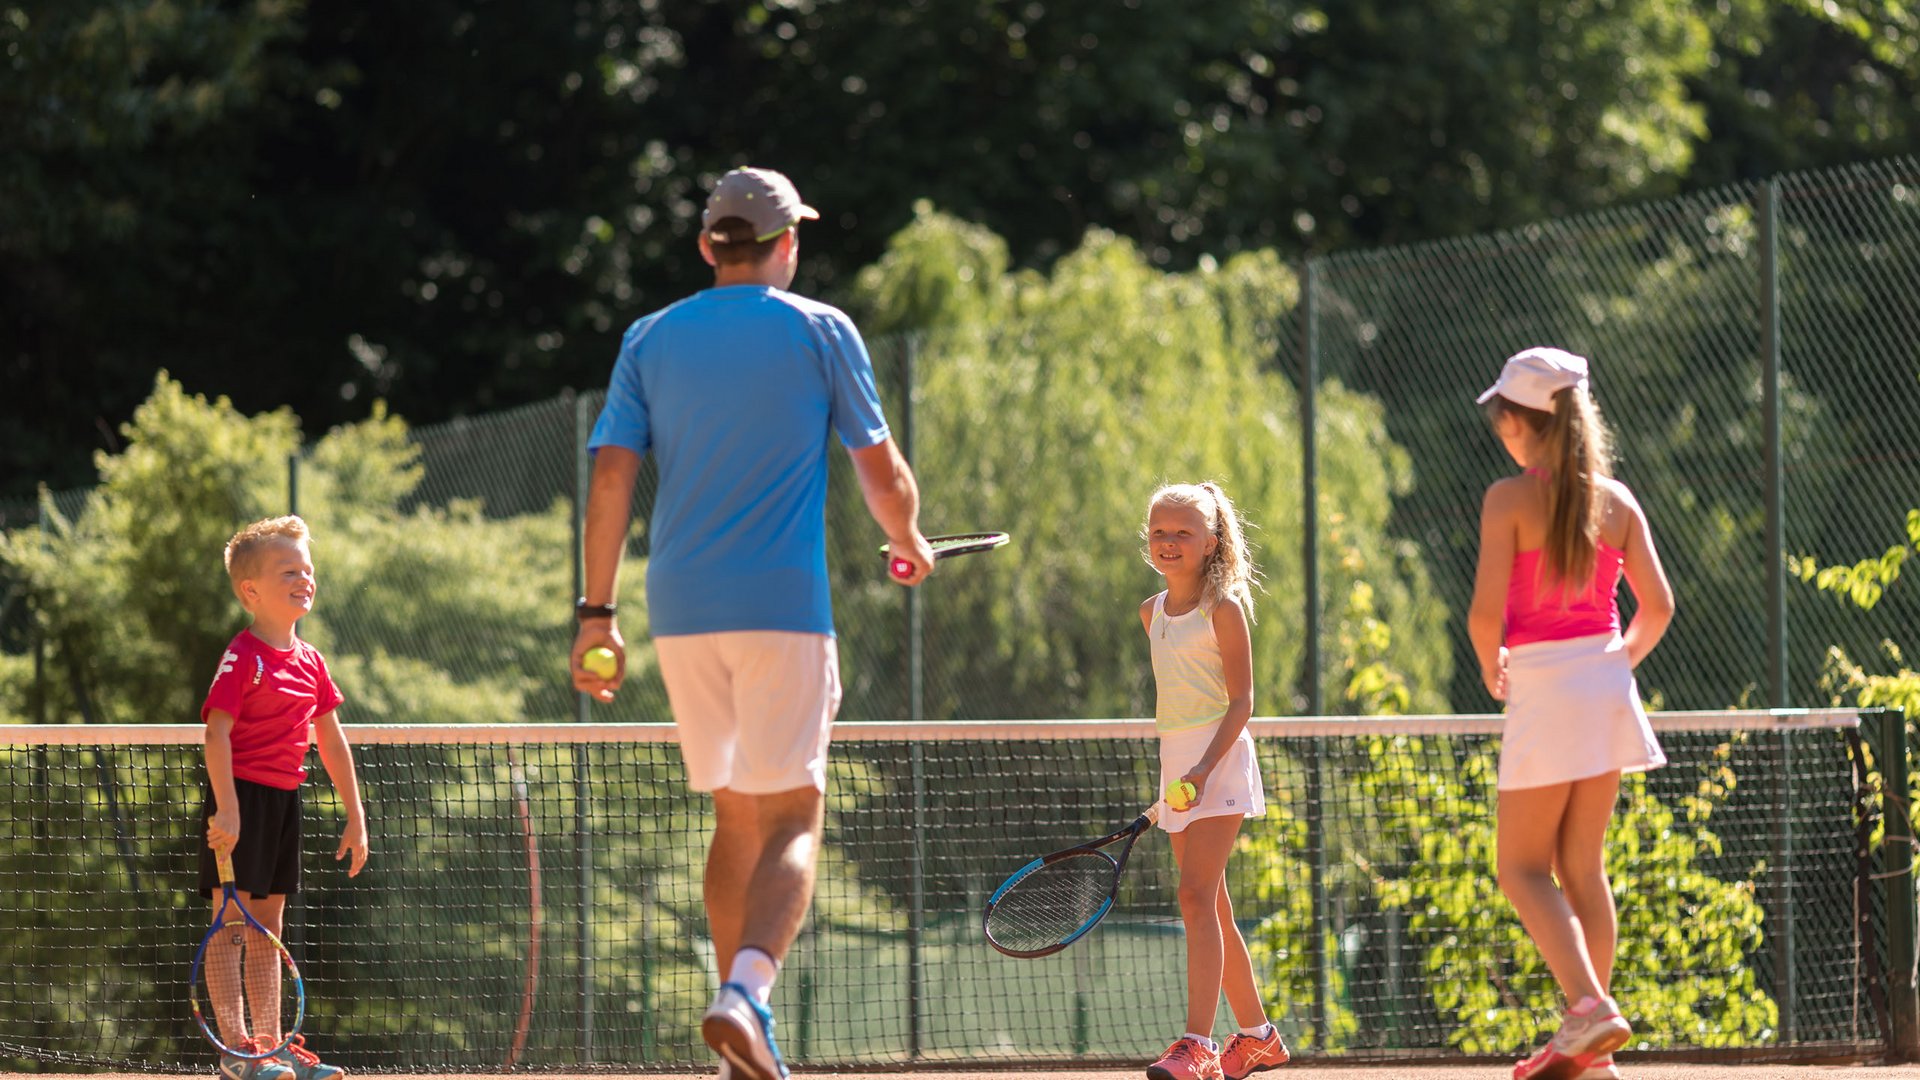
[1203, 685]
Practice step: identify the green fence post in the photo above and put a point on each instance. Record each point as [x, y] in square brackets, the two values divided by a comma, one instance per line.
[1310, 661]
[916, 711]
[1309, 485]
[582, 818]
[1896, 877]
[1785, 977]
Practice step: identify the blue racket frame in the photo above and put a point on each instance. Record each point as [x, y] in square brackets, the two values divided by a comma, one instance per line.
[230, 899]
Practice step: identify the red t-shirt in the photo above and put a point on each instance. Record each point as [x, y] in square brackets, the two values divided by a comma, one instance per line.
[273, 696]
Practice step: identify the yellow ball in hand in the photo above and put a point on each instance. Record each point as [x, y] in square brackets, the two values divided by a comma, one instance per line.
[600, 661]
[1180, 795]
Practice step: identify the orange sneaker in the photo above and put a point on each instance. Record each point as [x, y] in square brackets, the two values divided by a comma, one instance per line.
[1186, 1059]
[1247, 1054]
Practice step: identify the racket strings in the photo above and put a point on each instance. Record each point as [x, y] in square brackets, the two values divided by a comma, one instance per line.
[1053, 903]
[241, 979]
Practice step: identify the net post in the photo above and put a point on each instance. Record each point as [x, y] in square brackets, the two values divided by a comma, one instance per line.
[1317, 888]
[1897, 858]
[293, 482]
[917, 904]
[1786, 982]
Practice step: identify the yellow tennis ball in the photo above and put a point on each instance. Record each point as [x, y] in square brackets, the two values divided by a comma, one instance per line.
[600, 661]
[1180, 794]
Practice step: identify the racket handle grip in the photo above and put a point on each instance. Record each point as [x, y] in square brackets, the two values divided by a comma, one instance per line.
[900, 568]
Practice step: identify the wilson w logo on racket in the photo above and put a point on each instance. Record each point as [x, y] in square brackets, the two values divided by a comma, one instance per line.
[248, 978]
[946, 547]
[1053, 901]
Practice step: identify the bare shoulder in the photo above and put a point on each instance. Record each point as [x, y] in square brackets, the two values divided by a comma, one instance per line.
[1620, 498]
[1505, 496]
[1228, 612]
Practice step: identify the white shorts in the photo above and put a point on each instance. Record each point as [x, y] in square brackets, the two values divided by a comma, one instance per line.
[1233, 787]
[754, 707]
[1573, 711]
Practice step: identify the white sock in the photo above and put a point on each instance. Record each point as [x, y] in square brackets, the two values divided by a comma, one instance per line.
[1204, 1041]
[1260, 1030]
[754, 970]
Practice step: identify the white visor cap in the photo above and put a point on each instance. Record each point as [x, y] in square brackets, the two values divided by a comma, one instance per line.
[1531, 377]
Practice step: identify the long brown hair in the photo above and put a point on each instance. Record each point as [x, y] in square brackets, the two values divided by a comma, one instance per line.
[1576, 451]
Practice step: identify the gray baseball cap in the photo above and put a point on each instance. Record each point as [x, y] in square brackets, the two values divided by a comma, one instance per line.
[762, 198]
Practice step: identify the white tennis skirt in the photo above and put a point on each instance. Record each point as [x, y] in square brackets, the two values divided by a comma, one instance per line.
[1573, 711]
[1233, 787]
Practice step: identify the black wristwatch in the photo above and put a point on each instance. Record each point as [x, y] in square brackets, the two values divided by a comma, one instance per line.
[582, 611]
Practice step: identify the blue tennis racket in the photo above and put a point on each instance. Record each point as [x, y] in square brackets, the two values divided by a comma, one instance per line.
[248, 979]
[1053, 901]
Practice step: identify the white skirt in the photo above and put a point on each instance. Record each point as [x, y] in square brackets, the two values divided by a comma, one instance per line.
[1573, 711]
[1233, 787]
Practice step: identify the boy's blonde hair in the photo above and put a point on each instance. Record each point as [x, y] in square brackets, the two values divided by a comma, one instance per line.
[244, 551]
[1229, 572]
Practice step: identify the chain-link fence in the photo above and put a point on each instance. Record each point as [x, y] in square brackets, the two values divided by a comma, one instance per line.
[1757, 353]
[1756, 349]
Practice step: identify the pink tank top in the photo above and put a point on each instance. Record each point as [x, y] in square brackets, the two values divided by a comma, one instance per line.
[1538, 610]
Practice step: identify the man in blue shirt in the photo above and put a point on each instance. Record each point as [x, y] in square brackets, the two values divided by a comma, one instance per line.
[734, 391]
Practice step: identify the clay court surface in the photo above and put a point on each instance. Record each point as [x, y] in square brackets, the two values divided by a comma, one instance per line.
[1650, 1071]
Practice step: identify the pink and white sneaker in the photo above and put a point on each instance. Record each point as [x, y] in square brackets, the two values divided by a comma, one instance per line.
[1186, 1059]
[1601, 1069]
[1591, 1031]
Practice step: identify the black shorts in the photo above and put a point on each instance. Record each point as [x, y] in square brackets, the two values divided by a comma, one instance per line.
[267, 859]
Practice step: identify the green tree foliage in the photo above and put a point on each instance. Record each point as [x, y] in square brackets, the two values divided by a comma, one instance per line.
[1685, 936]
[454, 207]
[1863, 584]
[1052, 406]
[435, 614]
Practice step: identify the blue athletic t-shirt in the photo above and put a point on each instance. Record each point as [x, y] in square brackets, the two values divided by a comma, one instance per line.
[734, 390]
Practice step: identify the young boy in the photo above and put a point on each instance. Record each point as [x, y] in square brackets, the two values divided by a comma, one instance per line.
[271, 696]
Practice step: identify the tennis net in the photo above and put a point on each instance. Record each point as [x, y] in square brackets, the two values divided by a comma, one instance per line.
[533, 898]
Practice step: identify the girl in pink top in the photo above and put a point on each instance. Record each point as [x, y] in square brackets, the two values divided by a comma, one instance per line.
[1554, 543]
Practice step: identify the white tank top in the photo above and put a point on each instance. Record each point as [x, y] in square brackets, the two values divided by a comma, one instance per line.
[1189, 680]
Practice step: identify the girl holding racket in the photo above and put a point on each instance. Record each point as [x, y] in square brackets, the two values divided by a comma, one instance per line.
[1554, 543]
[1203, 682]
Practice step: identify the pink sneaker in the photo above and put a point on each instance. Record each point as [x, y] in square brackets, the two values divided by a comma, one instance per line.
[1246, 1055]
[1600, 1069]
[1585, 1036]
[1186, 1059]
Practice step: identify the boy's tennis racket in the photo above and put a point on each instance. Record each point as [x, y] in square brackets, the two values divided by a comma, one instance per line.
[1053, 901]
[946, 547]
[238, 970]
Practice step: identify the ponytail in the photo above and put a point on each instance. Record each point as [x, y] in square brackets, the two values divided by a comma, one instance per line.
[1576, 450]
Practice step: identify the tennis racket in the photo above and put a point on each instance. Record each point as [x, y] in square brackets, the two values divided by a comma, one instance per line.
[238, 970]
[1053, 901]
[946, 547]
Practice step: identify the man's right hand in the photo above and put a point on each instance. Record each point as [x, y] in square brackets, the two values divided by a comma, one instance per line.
[911, 549]
[594, 633]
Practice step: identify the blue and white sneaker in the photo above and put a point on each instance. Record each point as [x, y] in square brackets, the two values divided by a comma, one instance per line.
[304, 1064]
[740, 1030]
